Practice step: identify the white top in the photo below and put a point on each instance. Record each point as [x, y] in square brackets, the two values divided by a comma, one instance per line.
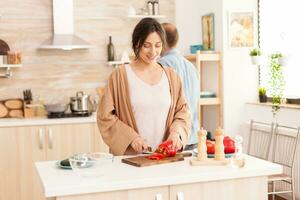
[120, 176]
[150, 105]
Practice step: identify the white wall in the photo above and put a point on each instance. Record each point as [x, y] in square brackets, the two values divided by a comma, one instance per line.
[239, 76]
[188, 15]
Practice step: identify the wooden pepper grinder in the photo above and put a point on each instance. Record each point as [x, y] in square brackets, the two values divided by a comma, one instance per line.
[219, 146]
[202, 149]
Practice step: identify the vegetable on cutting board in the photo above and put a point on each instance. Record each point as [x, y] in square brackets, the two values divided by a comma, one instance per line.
[165, 149]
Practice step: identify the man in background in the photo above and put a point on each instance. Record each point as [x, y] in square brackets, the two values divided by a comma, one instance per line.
[188, 74]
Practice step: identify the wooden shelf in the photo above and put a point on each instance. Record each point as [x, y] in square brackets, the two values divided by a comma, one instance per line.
[209, 101]
[10, 65]
[116, 63]
[8, 72]
[283, 105]
[144, 16]
[200, 60]
[204, 56]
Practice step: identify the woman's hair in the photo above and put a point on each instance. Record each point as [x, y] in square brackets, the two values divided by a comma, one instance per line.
[141, 32]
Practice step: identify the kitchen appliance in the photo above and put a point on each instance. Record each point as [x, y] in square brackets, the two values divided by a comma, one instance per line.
[81, 103]
[63, 27]
[56, 108]
[67, 115]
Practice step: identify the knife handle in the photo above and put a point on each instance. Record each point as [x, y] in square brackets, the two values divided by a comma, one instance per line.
[186, 154]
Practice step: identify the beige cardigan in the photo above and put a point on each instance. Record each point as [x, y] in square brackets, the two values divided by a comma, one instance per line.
[115, 116]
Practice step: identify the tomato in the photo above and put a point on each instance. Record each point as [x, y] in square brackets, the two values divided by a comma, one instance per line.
[210, 147]
[229, 146]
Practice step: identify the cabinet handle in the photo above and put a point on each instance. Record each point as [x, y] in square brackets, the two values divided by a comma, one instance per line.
[41, 138]
[158, 196]
[50, 136]
[180, 196]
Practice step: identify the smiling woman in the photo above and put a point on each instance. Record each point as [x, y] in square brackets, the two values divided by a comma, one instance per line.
[143, 104]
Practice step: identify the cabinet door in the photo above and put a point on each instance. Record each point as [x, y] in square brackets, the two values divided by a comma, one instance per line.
[99, 145]
[20, 148]
[155, 193]
[235, 189]
[67, 139]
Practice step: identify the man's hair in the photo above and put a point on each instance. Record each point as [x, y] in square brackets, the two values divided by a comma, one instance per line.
[171, 34]
[141, 31]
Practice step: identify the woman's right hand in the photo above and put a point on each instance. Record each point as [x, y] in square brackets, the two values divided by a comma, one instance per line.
[138, 144]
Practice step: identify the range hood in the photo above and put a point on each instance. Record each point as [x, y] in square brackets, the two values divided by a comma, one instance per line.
[63, 27]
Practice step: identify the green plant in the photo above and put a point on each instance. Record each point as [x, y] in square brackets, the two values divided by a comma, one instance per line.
[276, 56]
[255, 52]
[262, 91]
[276, 82]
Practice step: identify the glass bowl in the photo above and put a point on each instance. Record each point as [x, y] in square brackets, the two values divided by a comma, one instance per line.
[91, 164]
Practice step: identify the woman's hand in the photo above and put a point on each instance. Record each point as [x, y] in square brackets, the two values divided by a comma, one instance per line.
[177, 142]
[138, 144]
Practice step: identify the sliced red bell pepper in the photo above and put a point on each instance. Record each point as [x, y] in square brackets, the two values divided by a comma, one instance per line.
[165, 149]
[156, 156]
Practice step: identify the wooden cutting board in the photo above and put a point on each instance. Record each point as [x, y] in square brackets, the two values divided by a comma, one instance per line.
[12, 108]
[143, 161]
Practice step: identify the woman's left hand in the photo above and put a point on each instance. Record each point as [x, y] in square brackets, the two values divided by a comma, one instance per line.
[177, 142]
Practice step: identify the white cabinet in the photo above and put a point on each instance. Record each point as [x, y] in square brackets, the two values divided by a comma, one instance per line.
[246, 189]
[234, 189]
[154, 193]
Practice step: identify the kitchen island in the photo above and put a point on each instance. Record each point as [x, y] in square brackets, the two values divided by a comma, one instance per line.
[178, 180]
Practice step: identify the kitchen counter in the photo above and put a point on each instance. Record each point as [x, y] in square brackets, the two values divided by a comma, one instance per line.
[13, 122]
[119, 177]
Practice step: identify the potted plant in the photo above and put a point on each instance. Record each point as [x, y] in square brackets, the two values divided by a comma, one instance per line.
[262, 95]
[256, 57]
[276, 82]
[283, 60]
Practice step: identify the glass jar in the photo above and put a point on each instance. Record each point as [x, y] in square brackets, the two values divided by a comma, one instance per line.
[238, 160]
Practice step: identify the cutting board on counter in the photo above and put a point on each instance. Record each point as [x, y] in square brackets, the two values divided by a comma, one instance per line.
[143, 161]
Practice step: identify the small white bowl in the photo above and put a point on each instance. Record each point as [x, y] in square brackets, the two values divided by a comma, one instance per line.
[91, 164]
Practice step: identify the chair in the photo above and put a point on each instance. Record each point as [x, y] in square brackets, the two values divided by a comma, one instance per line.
[283, 153]
[260, 139]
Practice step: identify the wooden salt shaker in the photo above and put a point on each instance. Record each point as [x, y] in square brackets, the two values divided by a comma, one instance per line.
[202, 149]
[219, 146]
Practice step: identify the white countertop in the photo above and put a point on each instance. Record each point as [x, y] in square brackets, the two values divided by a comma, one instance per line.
[13, 122]
[120, 176]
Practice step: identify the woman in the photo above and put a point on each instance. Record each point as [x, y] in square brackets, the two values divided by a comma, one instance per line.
[143, 103]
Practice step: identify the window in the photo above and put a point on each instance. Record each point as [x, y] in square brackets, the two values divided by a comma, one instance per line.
[280, 32]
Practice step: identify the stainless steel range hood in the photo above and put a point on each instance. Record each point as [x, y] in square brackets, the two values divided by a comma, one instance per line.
[63, 27]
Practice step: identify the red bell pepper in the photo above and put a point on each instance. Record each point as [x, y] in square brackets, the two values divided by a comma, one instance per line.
[166, 148]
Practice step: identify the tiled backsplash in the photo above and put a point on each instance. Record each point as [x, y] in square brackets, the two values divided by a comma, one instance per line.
[59, 74]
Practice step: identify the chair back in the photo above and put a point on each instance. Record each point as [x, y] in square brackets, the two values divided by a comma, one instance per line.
[260, 139]
[285, 145]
